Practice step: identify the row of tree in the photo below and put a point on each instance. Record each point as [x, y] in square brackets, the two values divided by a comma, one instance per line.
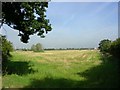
[69, 48]
[38, 48]
[110, 47]
[35, 47]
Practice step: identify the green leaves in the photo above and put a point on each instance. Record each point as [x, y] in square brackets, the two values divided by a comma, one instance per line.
[111, 47]
[27, 17]
[115, 48]
[6, 47]
[104, 45]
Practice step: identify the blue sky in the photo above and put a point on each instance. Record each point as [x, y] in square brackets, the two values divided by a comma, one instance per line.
[75, 25]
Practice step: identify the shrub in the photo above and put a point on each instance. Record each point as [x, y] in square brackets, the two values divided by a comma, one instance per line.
[115, 48]
[6, 47]
[104, 46]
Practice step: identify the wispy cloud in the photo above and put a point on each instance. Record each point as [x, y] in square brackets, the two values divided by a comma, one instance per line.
[70, 18]
[100, 8]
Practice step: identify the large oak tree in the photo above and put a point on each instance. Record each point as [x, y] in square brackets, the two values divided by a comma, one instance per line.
[27, 17]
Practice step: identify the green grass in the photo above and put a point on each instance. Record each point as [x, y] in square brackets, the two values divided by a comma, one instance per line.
[66, 68]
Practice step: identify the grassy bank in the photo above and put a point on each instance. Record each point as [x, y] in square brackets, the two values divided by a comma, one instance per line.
[65, 68]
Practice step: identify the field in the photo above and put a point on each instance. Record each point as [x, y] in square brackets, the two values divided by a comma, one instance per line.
[60, 68]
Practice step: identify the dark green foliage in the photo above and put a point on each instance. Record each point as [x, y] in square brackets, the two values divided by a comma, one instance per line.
[22, 16]
[104, 45]
[6, 47]
[37, 48]
[115, 48]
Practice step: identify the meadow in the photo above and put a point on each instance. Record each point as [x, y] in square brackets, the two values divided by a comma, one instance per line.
[61, 69]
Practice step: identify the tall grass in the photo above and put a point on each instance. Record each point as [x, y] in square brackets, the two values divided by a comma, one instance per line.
[54, 69]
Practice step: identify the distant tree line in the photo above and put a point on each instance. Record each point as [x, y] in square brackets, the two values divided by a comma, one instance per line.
[33, 48]
[69, 49]
[110, 47]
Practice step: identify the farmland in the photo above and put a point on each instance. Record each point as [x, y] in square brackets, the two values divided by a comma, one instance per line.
[60, 69]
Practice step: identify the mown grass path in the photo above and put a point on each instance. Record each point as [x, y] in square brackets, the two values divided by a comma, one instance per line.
[65, 68]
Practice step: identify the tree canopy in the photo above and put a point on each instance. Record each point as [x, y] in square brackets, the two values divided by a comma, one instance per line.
[37, 47]
[111, 47]
[104, 45]
[27, 17]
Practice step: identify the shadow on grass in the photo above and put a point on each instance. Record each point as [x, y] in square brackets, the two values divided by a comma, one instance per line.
[17, 67]
[50, 83]
[105, 75]
[102, 76]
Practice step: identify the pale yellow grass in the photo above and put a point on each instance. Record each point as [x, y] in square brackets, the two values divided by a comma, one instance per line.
[64, 56]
